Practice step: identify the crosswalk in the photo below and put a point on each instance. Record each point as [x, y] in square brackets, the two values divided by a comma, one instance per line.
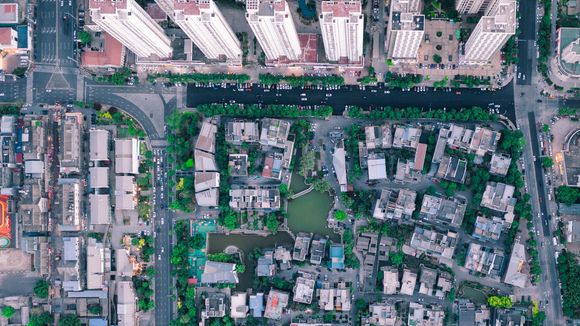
[48, 30]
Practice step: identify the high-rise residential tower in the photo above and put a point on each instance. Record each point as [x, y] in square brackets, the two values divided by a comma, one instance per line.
[205, 25]
[490, 34]
[271, 22]
[342, 26]
[406, 30]
[127, 22]
[476, 6]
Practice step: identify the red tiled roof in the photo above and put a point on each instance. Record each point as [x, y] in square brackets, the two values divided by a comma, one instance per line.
[420, 156]
[156, 12]
[267, 171]
[112, 54]
[108, 6]
[341, 8]
[5, 35]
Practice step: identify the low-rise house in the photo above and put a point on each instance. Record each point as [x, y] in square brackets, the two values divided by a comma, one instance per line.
[336, 253]
[238, 165]
[217, 272]
[391, 282]
[274, 132]
[127, 156]
[453, 169]
[339, 164]
[427, 281]
[207, 188]
[96, 256]
[395, 204]
[500, 164]
[573, 231]
[283, 257]
[381, 314]
[421, 315]
[206, 138]
[266, 266]
[100, 209]
[317, 249]
[406, 137]
[420, 155]
[304, 287]
[408, 283]
[470, 315]
[488, 227]
[484, 141]
[257, 305]
[301, 246]
[273, 165]
[255, 199]
[515, 274]
[214, 305]
[480, 259]
[240, 131]
[500, 197]
[433, 243]
[99, 145]
[334, 297]
[458, 137]
[444, 285]
[407, 172]
[377, 166]
[276, 303]
[440, 145]
[126, 304]
[446, 211]
[239, 307]
[378, 137]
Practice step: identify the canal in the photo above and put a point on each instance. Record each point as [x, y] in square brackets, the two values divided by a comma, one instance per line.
[218, 242]
[308, 213]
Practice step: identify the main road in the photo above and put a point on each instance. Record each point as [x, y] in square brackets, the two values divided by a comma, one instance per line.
[529, 103]
[371, 96]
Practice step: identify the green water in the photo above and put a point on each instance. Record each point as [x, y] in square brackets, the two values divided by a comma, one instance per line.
[308, 213]
[218, 242]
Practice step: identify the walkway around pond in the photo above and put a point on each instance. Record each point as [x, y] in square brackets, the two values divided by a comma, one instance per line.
[302, 193]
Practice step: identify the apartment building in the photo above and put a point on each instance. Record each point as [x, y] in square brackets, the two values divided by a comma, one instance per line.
[271, 21]
[490, 34]
[342, 27]
[406, 29]
[477, 6]
[128, 23]
[203, 22]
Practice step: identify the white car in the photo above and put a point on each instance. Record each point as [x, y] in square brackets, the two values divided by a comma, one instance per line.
[159, 257]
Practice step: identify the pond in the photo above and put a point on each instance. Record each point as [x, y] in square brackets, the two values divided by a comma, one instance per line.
[218, 242]
[308, 213]
[305, 11]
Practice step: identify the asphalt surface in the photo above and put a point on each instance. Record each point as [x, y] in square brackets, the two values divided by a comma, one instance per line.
[105, 95]
[375, 96]
[162, 225]
[541, 186]
[13, 90]
[55, 32]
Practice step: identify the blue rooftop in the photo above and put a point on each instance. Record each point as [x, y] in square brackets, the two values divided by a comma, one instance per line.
[22, 32]
[337, 256]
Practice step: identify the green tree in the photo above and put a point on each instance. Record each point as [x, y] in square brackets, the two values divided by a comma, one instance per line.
[69, 320]
[396, 257]
[322, 185]
[498, 301]
[547, 162]
[95, 309]
[19, 71]
[240, 268]
[272, 223]
[85, 37]
[231, 221]
[7, 312]
[545, 127]
[361, 304]
[41, 289]
[340, 215]
[437, 58]
[567, 195]
[197, 241]
[283, 189]
[150, 271]
[42, 319]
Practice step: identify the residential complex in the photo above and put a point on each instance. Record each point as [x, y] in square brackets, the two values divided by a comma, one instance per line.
[406, 29]
[127, 22]
[342, 27]
[272, 24]
[490, 34]
[204, 24]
